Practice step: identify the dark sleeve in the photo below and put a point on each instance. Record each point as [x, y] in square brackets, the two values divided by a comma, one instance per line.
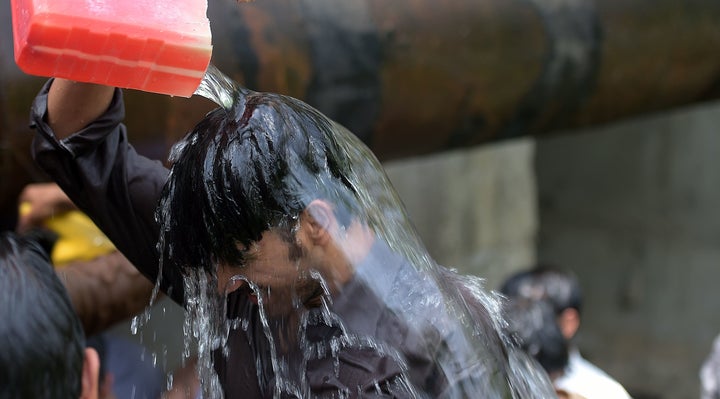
[358, 372]
[114, 185]
[354, 368]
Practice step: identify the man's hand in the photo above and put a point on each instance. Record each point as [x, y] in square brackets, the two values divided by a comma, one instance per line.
[40, 201]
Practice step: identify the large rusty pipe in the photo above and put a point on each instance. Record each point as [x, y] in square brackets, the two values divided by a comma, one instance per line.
[411, 77]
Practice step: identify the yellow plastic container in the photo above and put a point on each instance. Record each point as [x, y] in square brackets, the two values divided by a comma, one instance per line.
[79, 239]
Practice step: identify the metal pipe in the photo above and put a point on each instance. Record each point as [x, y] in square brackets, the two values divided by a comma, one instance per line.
[412, 77]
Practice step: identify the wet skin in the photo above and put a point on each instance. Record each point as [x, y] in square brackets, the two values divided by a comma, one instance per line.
[283, 282]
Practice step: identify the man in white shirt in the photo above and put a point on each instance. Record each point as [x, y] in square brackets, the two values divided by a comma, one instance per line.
[710, 373]
[562, 290]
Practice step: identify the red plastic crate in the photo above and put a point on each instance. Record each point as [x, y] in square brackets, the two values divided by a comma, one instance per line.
[158, 46]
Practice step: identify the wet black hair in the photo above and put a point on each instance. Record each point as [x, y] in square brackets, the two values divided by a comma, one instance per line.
[244, 170]
[560, 287]
[532, 323]
[41, 339]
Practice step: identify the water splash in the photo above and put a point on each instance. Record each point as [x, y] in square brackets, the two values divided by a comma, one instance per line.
[256, 172]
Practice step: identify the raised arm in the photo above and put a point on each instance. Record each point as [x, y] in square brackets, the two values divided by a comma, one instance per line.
[74, 105]
[82, 144]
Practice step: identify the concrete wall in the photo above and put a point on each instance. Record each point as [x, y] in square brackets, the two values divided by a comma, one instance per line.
[633, 209]
[475, 209]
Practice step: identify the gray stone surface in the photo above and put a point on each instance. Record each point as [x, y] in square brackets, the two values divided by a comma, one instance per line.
[475, 209]
[633, 209]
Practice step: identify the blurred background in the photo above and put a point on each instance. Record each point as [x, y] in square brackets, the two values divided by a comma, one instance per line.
[573, 132]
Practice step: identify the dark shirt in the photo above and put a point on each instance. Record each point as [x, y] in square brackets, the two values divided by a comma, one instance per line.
[119, 189]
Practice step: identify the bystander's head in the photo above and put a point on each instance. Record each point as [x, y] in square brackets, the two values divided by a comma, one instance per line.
[42, 344]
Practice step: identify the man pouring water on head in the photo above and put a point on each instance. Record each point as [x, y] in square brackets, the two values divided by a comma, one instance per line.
[279, 233]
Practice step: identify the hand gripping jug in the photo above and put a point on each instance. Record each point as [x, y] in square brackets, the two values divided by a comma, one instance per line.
[160, 46]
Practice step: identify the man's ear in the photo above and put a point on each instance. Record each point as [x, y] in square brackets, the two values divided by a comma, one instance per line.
[319, 219]
[90, 375]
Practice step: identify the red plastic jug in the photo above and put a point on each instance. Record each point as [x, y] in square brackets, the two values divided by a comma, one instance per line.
[160, 46]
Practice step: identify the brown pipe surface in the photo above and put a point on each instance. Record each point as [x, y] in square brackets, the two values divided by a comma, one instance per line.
[412, 77]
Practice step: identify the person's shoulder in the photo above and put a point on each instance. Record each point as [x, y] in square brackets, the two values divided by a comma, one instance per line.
[584, 375]
[563, 394]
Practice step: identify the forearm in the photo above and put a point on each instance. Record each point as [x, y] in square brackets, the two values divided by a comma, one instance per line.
[74, 105]
[105, 290]
[40, 201]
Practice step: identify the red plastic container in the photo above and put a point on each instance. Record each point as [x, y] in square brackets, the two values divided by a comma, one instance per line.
[160, 46]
